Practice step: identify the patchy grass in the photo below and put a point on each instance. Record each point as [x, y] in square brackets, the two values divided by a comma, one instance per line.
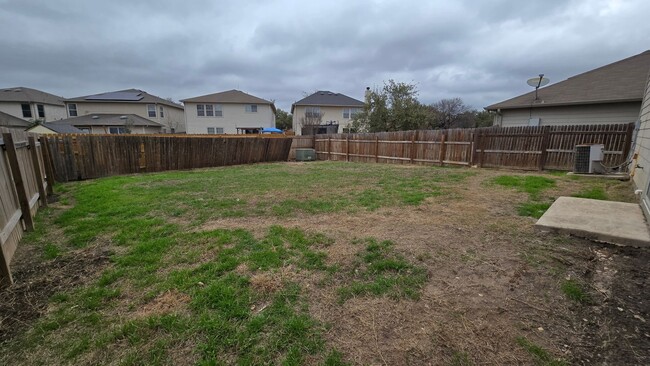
[531, 184]
[595, 193]
[540, 356]
[532, 209]
[574, 291]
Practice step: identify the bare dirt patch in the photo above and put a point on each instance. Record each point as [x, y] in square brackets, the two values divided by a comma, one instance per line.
[166, 303]
[37, 280]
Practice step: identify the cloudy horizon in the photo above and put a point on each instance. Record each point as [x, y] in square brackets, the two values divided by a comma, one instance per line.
[482, 52]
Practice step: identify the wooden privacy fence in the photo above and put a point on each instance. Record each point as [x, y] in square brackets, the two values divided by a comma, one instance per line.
[77, 157]
[529, 148]
[23, 185]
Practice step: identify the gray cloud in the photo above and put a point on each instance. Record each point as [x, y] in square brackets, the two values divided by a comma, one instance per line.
[482, 51]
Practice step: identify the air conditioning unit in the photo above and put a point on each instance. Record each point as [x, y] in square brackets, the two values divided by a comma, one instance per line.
[305, 154]
[588, 159]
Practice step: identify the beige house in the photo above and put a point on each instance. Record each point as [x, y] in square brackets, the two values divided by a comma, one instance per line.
[641, 164]
[229, 112]
[31, 105]
[105, 123]
[325, 108]
[164, 112]
[606, 95]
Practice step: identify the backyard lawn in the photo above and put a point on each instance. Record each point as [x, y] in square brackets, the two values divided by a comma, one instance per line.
[322, 263]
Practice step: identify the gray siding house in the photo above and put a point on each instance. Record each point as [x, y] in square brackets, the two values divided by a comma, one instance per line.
[608, 94]
[641, 164]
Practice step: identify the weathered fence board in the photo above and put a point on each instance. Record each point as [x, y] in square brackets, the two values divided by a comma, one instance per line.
[528, 148]
[23, 185]
[78, 157]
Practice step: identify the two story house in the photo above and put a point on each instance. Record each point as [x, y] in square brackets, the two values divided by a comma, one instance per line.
[131, 101]
[231, 111]
[336, 110]
[30, 105]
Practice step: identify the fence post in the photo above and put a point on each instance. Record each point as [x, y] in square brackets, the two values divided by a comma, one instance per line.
[413, 139]
[329, 148]
[37, 171]
[347, 147]
[376, 149]
[474, 147]
[12, 156]
[481, 145]
[628, 140]
[49, 170]
[544, 147]
[443, 147]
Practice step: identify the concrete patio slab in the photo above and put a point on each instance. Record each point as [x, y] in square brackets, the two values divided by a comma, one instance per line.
[612, 222]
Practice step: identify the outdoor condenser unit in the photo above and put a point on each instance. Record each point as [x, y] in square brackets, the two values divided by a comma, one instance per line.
[305, 154]
[589, 158]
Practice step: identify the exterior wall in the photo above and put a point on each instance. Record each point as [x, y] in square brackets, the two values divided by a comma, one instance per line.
[571, 115]
[52, 112]
[641, 177]
[233, 116]
[330, 114]
[174, 117]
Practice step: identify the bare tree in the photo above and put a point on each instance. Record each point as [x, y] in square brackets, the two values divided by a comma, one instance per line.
[449, 113]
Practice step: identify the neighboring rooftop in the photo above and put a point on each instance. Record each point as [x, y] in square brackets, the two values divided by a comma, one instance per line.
[20, 94]
[323, 98]
[125, 96]
[62, 128]
[621, 81]
[7, 120]
[229, 97]
[105, 119]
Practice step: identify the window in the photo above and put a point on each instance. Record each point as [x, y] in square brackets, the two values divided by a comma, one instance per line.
[351, 112]
[312, 112]
[85, 129]
[41, 110]
[251, 108]
[27, 110]
[117, 130]
[72, 110]
[215, 130]
[162, 113]
[209, 110]
[151, 109]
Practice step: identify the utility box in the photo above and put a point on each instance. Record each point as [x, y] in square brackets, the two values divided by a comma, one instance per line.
[588, 159]
[305, 154]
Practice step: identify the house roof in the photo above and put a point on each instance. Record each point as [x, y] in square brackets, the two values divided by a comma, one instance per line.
[105, 119]
[61, 128]
[28, 95]
[125, 96]
[229, 97]
[325, 98]
[621, 81]
[7, 120]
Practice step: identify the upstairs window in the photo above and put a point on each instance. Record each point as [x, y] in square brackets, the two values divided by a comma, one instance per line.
[72, 110]
[209, 110]
[312, 112]
[351, 112]
[217, 111]
[41, 110]
[251, 108]
[200, 110]
[151, 109]
[162, 113]
[27, 110]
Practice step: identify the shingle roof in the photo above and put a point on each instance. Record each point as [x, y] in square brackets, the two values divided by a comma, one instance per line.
[62, 128]
[621, 81]
[124, 96]
[105, 119]
[230, 96]
[323, 98]
[7, 120]
[28, 95]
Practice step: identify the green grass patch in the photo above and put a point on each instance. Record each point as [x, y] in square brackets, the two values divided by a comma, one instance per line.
[574, 291]
[595, 193]
[380, 271]
[531, 184]
[540, 356]
[532, 209]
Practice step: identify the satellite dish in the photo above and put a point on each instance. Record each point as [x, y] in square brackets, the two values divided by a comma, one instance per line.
[537, 82]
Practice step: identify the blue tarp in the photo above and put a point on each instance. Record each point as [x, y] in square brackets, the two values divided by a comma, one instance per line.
[271, 130]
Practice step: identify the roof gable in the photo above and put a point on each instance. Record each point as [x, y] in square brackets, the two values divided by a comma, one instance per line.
[327, 98]
[229, 96]
[29, 95]
[107, 119]
[621, 81]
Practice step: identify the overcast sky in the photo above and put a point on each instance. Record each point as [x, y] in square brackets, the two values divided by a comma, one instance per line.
[481, 51]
